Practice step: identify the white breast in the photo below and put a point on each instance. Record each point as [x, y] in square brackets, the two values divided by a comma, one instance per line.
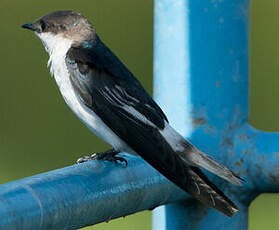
[57, 48]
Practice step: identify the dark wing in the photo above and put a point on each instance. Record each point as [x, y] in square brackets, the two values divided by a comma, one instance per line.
[104, 83]
[109, 89]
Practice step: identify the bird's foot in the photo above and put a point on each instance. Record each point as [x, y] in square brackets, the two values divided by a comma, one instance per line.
[109, 155]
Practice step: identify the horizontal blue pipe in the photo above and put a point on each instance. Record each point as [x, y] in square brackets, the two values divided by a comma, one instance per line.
[257, 159]
[93, 192]
[82, 195]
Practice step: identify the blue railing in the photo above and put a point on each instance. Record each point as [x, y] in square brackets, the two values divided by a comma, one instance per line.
[201, 81]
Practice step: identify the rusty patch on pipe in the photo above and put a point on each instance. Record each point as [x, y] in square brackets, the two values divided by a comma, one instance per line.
[273, 178]
[239, 163]
[244, 137]
[196, 122]
[227, 142]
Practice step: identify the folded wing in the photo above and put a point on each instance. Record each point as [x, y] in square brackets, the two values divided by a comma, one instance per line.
[109, 89]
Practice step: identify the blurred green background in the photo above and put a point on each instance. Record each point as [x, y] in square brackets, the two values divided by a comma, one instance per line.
[39, 133]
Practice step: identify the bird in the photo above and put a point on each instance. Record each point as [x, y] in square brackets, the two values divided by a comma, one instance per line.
[106, 96]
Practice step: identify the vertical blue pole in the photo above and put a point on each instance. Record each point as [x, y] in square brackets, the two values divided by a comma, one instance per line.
[171, 74]
[201, 82]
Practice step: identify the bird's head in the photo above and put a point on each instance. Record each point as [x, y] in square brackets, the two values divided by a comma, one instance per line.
[67, 27]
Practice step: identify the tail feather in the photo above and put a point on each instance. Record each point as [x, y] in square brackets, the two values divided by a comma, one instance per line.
[195, 157]
[163, 150]
[210, 194]
[192, 180]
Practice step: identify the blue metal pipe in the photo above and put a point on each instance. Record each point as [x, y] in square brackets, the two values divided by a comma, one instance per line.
[82, 195]
[201, 71]
[258, 158]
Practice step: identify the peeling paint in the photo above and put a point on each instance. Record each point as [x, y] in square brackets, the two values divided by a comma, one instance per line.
[210, 129]
[243, 137]
[239, 163]
[199, 117]
[227, 142]
[198, 122]
[273, 178]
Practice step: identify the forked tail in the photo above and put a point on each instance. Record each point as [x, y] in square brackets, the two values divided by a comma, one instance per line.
[179, 160]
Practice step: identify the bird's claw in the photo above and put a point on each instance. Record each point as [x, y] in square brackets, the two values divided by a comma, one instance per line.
[108, 157]
[105, 156]
[83, 159]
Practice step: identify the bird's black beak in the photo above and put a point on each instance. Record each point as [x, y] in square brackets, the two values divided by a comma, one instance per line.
[29, 26]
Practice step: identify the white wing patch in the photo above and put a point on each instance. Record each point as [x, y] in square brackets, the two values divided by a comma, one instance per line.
[128, 108]
[138, 115]
[172, 137]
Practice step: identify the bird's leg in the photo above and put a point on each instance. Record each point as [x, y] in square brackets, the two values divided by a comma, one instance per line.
[109, 155]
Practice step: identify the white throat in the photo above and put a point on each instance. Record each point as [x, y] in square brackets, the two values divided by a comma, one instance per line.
[57, 47]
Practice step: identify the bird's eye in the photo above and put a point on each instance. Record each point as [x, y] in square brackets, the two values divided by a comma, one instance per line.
[43, 25]
[63, 27]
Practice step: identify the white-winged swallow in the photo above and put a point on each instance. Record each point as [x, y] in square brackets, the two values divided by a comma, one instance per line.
[112, 103]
